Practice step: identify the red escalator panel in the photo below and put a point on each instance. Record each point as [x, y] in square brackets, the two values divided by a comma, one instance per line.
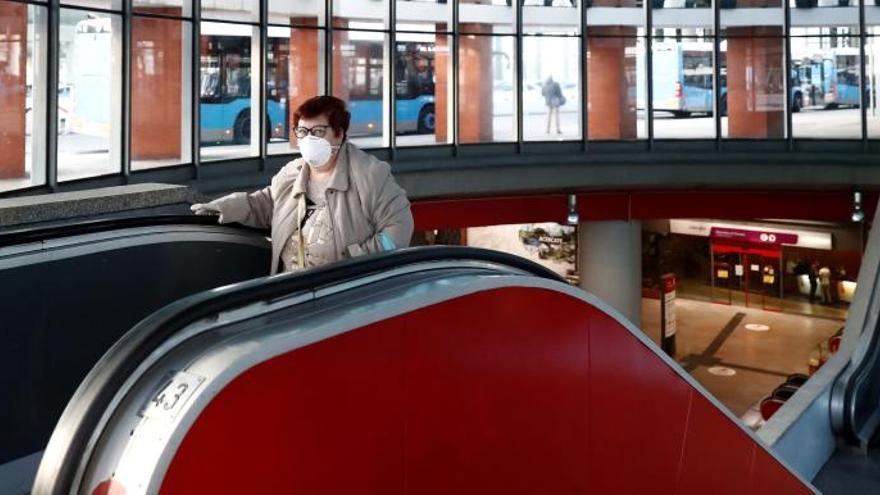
[511, 390]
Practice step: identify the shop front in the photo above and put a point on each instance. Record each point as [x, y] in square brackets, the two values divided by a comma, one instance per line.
[748, 262]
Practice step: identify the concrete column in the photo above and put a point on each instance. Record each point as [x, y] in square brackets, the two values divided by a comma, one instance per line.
[755, 82]
[610, 265]
[156, 87]
[13, 84]
[612, 95]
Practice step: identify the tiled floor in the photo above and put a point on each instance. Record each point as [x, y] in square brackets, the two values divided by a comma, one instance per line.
[715, 335]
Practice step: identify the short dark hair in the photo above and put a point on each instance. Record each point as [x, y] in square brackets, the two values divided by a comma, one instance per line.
[337, 114]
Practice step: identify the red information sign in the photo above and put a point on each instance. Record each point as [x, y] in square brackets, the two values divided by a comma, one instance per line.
[752, 236]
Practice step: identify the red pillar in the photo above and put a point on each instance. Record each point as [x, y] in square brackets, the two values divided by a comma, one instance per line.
[755, 83]
[612, 95]
[475, 85]
[13, 88]
[339, 85]
[303, 66]
[441, 86]
[156, 79]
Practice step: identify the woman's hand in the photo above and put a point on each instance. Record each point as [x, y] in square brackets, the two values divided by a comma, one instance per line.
[205, 208]
[211, 208]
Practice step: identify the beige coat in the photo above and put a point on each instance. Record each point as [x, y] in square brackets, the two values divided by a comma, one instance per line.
[363, 200]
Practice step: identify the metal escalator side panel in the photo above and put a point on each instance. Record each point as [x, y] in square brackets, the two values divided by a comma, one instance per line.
[83, 419]
[493, 384]
[221, 354]
[855, 394]
[66, 300]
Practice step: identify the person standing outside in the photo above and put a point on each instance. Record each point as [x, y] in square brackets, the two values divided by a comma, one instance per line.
[553, 98]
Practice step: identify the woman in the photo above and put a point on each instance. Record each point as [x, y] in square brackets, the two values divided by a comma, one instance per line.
[333, 203]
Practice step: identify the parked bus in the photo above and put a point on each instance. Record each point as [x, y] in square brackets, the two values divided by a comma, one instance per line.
[840, 77]
[682, 77]
[683, 81]
[414, 83]
[226, 86]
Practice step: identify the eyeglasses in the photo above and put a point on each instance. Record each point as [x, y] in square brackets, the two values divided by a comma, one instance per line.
[317, 131]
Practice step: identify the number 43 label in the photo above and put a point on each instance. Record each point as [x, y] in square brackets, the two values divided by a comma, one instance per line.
[171, 395]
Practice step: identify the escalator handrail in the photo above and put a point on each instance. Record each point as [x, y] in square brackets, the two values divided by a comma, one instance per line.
[62, 457]
[39, 234]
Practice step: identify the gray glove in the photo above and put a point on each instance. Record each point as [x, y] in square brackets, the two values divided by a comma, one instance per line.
[211, 208]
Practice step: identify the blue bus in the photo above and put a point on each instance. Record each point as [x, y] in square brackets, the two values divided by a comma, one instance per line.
[225, 93]
[682, 77]
[414, 84]
[840, 77]
[829, 79]
[225, 99]
[683, 81]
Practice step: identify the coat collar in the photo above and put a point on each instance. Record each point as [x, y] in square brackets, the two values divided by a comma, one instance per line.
[339, 180]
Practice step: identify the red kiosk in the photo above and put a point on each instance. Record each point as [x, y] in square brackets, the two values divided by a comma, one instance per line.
[748, 261]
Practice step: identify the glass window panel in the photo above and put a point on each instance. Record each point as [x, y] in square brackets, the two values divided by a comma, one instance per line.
[749, 13]
[683, 15]
[828, 75]
[22, 95]
[423, 85]
[551, 16]
[294, 73]
[95, 4]
[360, 14]
[872, 13]
[485, 16]
[551, 88]
[229, 86]
[625, 13]
[806, 13]
[841, 6]
[231, 10]
[359, 79]
[160, 92]
[424, 15]
[177, 8]
[486, 89]
[872, 71]
[683, 88]
[616, 85]
[298, 13]
[89, 89]
[753, 84]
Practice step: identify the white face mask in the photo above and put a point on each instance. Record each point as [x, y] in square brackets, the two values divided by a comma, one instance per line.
[316, 151]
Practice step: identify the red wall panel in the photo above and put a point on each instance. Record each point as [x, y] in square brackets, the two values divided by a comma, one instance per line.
[835, 206]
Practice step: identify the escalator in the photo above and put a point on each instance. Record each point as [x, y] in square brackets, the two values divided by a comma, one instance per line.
[429, 370]
[68, 293]
[829, 431]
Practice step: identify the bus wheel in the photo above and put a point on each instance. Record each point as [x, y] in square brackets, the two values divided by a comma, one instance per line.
[797, 104]
[242, 129]
[427, 123]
